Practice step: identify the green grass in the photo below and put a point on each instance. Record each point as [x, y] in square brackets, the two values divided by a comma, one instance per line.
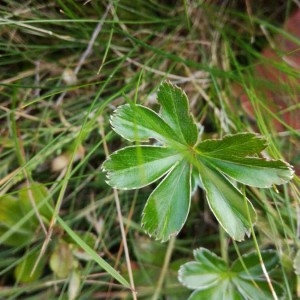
[204, 49]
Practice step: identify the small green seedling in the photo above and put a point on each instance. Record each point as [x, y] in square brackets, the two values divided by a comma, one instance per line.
[178, 156]
[212, 278]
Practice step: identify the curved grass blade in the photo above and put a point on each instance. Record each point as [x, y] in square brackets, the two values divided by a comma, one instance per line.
[259, 291]
[94, 255]
[251, 260]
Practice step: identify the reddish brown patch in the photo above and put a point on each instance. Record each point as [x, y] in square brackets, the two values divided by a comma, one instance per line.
[280, 89]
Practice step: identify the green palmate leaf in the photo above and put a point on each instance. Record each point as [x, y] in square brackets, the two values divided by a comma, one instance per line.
[226, 202]
[211, 277]
[175, 111]
[134, 167]
[204, 272]
[167, 207]
[138, 123]
[211, 164]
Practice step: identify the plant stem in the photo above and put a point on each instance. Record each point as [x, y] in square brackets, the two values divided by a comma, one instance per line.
[121, 223]
[259, 253]
[224, 244]
[164, 268]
